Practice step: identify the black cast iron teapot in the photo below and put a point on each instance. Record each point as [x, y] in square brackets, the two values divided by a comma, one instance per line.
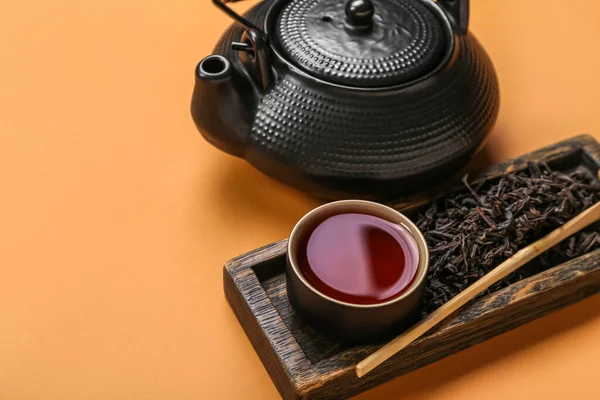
[362, 98]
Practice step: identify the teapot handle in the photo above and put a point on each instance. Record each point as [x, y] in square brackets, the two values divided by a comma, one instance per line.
[458, 11]
[222, 5]
[253, 48]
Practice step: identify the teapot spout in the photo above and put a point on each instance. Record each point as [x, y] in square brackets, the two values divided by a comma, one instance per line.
[217, 107]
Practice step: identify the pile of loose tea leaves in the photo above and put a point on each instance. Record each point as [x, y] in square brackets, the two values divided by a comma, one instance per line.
[473, 231]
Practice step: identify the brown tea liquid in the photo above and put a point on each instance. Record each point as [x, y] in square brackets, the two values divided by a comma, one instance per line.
[359, 258]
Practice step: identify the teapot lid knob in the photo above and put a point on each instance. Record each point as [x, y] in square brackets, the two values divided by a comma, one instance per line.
[359, 13]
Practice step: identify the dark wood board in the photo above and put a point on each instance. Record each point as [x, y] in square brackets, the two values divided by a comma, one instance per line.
[306, 365]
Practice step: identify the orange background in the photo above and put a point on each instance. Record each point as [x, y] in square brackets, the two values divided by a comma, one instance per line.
[116, 217]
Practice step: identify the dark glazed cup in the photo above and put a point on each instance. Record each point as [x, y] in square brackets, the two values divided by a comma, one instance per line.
[354, 323]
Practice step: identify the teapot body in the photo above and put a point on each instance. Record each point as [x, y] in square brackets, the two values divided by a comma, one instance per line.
[336, 141]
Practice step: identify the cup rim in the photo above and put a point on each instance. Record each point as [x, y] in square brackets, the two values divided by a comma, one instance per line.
[365, 207]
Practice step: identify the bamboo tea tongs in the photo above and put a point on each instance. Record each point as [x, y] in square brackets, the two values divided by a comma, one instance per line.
[520, 258]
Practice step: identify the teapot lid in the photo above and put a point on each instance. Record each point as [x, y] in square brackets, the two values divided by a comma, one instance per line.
[362, 43]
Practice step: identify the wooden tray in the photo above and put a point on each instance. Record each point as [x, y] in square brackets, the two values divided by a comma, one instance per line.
[307, 365]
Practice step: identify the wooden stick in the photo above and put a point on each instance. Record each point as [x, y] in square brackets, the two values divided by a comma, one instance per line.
[520, 258]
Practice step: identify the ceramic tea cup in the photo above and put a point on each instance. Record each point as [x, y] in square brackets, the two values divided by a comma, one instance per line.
[350, 320]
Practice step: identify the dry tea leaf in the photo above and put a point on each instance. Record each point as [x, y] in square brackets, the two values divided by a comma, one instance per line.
[475, 230]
